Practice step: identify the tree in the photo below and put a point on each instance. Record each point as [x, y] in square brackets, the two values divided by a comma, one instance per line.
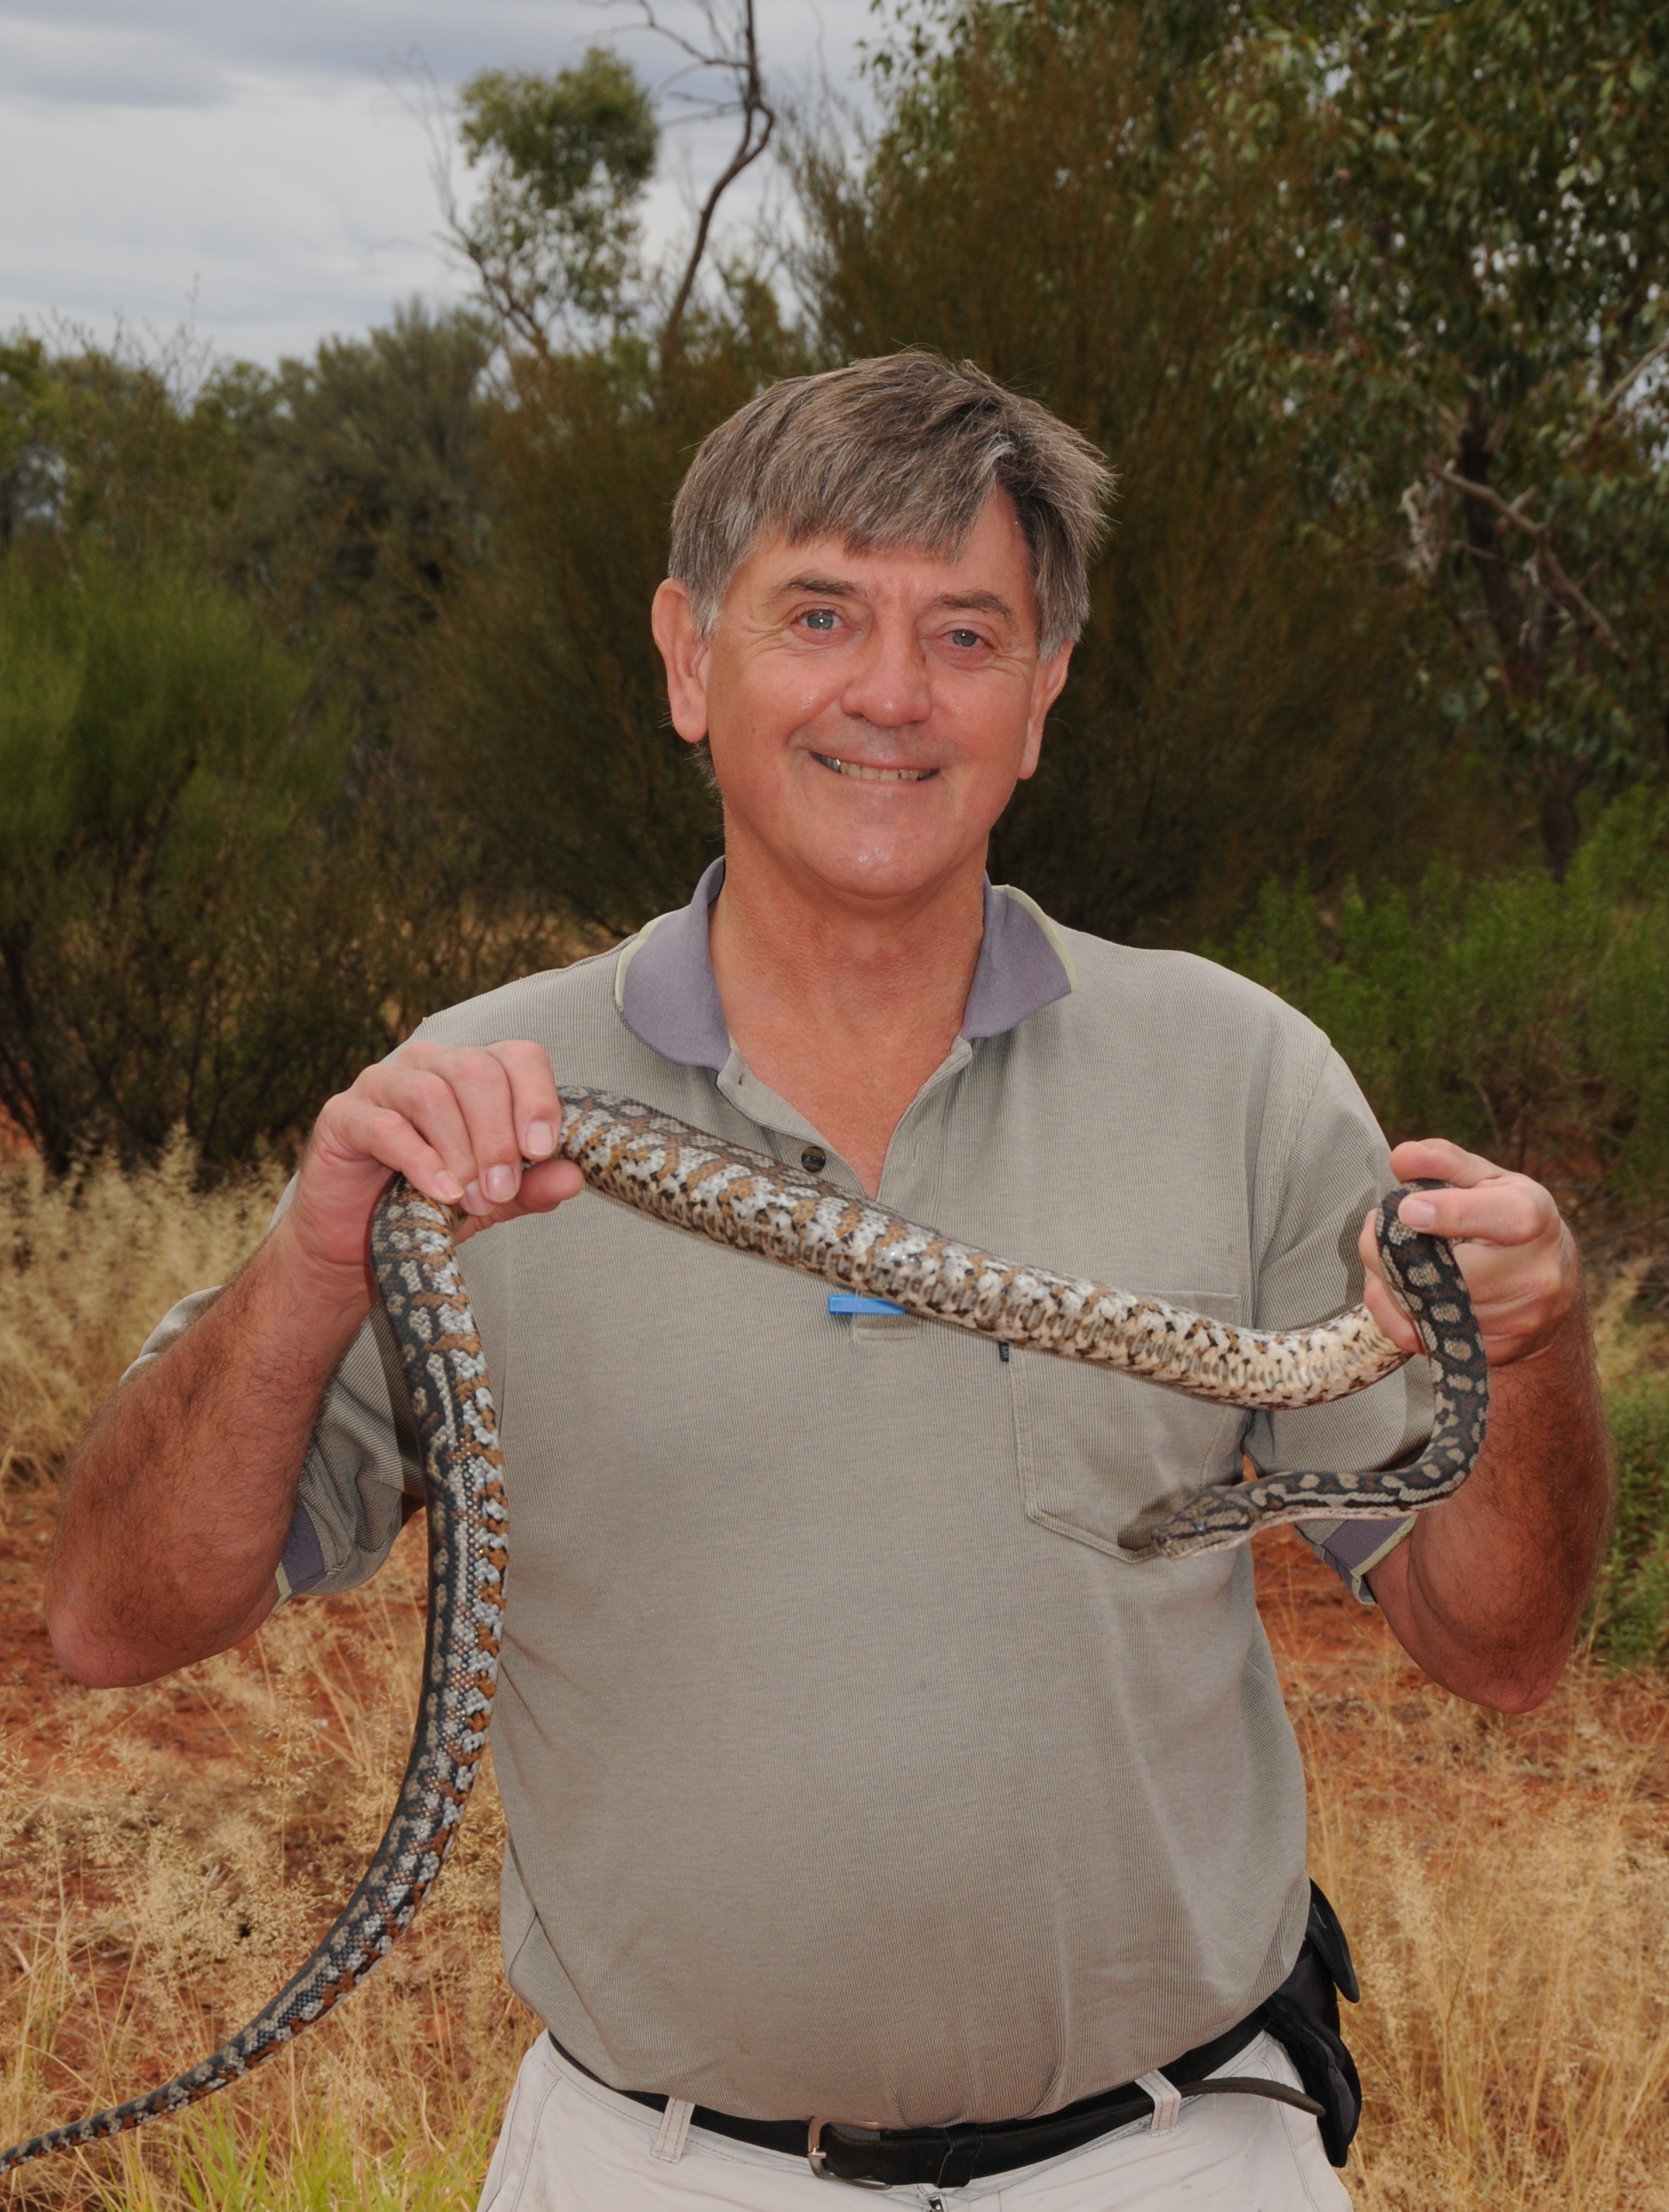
[366, 500]
[157, 962]
[540, 712]
[195, 930]
[565, 160]
[143, 450]
[1471, 300]
[29, 469]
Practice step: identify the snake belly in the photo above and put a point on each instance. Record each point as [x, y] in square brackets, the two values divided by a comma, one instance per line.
[744, 1199]
[446, 1372]
[735, 1195]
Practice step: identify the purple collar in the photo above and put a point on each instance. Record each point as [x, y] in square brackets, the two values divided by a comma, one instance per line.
[667, 998]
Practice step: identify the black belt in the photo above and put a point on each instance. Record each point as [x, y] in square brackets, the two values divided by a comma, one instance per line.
[945, 2158]
[1302, 2016]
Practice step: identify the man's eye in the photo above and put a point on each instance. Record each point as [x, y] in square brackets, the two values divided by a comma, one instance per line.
[965, 639]
[821, 618]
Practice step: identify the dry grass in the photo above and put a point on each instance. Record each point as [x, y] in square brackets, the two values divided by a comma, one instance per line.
[86, 1269]
[1506, 1883]
[169, 1856]
[167, 1853]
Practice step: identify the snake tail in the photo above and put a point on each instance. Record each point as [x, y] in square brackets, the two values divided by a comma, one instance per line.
[423, 1294]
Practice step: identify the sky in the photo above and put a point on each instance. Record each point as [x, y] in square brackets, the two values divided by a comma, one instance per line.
[260, 170]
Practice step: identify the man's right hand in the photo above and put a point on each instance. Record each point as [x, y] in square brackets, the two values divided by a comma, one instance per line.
[457, 1123]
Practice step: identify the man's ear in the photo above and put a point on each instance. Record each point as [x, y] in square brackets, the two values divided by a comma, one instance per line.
[1045, 690]
[674, 622]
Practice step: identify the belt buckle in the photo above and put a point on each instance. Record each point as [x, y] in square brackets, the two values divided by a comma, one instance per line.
[817, 2158]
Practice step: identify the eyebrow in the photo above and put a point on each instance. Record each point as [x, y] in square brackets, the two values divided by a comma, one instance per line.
[832, 587]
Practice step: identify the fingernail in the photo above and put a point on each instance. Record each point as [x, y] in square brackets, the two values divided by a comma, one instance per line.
[541, 1140]
[501, 1185]
[1418, 1212]
[448, 1188]
[473, 1200]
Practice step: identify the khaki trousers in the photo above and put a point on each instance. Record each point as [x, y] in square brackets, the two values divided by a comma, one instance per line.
[569, 2145]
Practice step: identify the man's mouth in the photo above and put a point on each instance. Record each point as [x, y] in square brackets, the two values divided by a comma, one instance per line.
[873, 774]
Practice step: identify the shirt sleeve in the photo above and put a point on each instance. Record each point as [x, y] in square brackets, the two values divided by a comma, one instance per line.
[1334, 1166]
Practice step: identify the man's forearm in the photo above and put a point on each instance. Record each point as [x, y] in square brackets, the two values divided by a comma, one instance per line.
[179, 1498]
[1487, 1592]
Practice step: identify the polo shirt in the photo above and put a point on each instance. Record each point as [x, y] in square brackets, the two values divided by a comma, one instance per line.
[850, 1763]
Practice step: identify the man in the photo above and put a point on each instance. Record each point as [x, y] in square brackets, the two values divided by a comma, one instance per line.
[854, 1774]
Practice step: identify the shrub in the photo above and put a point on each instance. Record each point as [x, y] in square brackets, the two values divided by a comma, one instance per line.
[195, 931]
[1525, 1018]
[1631, 1606]
[1062, 194]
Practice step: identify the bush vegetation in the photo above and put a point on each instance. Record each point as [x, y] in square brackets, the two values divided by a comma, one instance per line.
[1631, 1609]
[1526, 1017]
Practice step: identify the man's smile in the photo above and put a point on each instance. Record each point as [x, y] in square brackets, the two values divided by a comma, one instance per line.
[873, 774]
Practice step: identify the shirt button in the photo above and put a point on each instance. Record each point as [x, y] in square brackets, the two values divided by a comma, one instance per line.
[813, 1159]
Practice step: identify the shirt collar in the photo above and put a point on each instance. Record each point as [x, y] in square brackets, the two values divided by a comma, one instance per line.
[667, 996]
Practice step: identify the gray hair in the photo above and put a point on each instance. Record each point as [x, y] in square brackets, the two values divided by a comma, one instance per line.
[905, 449]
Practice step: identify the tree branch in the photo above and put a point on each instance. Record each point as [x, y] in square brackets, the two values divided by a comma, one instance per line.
[512, 311]
[1614, 398]
[1576, 600]
[740, 58]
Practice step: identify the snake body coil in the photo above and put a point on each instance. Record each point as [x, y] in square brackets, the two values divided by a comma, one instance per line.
[732, 1195]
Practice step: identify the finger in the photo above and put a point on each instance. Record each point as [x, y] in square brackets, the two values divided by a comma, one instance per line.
[1367, 1246]
[481, 1084]
[542, 1189]
[1438, 1159]
[546, 1187]
[356, 1125]
[1377, 1297]
[1510, 1211]
[535, 1107]
[461, 1100]
[427, 1094]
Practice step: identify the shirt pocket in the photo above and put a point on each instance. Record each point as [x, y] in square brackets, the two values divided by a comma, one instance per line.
[1098, 1450]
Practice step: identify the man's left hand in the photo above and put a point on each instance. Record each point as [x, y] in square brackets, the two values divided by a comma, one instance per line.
[1517, 1254]
[1487, 1593]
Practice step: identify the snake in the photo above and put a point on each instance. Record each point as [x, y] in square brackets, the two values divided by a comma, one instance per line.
[752, 1203]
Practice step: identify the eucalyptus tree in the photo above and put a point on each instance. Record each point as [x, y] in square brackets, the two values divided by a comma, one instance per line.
[1468, 289]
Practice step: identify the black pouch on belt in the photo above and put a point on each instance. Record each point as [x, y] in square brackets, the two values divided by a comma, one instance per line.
[1302, 2015]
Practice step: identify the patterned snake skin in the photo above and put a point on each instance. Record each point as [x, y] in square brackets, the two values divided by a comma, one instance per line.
[662, 1166]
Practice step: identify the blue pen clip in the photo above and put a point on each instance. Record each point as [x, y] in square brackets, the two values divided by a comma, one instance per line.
[847, 1302]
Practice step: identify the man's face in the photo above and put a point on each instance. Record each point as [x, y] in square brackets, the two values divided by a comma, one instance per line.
[869, 714]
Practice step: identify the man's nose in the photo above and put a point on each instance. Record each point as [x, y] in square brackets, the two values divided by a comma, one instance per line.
[891, 685]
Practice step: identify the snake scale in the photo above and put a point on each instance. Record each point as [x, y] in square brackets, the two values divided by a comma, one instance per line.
[746, 1200]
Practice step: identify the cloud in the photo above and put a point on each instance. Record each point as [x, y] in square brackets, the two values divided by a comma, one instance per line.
[63, 47]
[257, 157]
[52, 62]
